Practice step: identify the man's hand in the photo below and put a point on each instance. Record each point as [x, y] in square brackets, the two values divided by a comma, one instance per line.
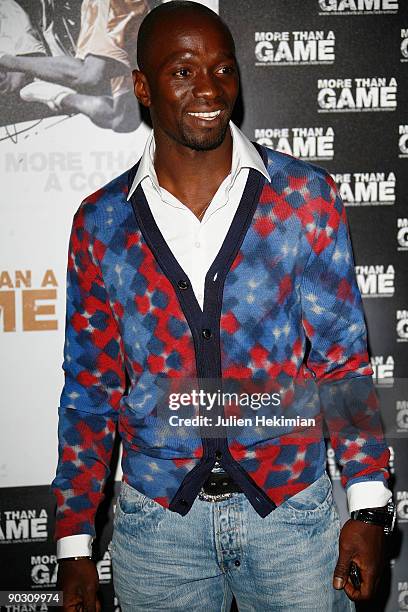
[363, 544]
[79, 582]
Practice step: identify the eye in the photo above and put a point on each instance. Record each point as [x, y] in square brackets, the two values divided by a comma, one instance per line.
[182, 72]
[229, 69]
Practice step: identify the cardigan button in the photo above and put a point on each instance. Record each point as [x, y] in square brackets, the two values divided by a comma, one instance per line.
[182, 284]
[183, 502]
[206, 333]
[218, 454]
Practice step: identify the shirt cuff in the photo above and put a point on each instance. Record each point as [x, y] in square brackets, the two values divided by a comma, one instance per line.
[75, 546]
[368, 494]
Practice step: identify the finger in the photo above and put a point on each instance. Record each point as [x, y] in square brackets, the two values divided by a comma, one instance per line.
[367, 587]
[72, 602]
[90, 602]
[368, 583]
[351, 591]
[341, 571]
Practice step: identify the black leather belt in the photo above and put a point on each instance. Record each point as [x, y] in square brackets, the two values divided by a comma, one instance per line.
[218, 487]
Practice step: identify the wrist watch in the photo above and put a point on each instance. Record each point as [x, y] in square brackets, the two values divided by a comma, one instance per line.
[383, 516]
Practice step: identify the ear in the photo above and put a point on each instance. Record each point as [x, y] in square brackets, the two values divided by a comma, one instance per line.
[141, 87]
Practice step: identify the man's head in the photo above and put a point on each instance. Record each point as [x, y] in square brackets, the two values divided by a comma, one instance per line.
[187, 74]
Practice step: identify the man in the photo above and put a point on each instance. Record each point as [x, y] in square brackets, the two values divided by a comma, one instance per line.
[214, 260]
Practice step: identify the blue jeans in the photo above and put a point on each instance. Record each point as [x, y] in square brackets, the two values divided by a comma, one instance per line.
[164, 561]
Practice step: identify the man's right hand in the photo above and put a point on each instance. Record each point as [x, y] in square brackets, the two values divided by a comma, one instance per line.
[79, 582]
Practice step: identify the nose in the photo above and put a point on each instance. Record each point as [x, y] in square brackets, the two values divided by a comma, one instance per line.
[207, 85]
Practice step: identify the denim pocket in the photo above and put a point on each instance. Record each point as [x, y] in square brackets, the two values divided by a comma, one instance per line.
[313, 498]
[131, 501]
[137, 517]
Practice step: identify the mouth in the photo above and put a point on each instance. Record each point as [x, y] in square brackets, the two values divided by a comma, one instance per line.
[206, 116]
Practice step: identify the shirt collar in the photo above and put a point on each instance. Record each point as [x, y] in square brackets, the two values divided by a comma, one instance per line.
[244, 155]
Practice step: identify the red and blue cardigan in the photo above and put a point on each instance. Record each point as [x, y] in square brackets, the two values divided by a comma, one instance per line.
[281, 304]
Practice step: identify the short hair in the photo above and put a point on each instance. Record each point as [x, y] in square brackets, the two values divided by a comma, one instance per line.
[168, 9]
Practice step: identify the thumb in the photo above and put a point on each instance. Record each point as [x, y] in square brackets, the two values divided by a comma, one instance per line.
[341, 571]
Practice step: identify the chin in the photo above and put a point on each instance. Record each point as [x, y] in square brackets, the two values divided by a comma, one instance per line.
[208, 142]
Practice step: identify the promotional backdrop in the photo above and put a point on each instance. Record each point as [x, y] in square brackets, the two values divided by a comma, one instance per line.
[323, 80]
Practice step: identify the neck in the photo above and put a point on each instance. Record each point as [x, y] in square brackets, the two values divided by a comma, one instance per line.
[191, 176]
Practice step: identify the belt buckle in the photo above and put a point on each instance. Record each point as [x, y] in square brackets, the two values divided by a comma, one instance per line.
[213, 498]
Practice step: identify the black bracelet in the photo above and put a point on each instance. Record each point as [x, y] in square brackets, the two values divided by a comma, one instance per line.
[74, 558]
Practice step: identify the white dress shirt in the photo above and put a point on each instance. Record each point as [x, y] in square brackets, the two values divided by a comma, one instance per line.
[195, 244]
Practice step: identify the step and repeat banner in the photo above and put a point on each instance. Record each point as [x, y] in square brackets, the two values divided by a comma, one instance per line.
[323, 80]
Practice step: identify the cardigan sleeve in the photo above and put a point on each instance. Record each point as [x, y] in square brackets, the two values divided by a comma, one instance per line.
[94, 384]
[333, 320]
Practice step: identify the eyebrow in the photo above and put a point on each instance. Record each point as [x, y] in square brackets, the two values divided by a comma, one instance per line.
[187, 55]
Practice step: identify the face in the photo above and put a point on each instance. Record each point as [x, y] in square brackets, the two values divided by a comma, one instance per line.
[191, 82]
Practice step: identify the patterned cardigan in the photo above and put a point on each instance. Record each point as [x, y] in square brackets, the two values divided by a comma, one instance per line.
[282, 312]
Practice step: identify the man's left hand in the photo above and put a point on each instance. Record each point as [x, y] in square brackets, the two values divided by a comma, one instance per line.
[364, 544]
